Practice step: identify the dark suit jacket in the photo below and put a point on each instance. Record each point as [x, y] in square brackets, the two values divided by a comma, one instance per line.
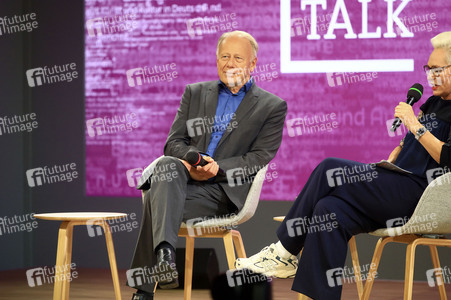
[253, 142]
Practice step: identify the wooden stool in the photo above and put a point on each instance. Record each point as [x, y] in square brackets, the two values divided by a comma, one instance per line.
[64, 250]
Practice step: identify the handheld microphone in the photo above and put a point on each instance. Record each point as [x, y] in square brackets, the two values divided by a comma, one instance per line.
[413, 95]
[195, 159]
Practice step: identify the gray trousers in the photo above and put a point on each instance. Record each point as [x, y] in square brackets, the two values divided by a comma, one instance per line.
[172, 199]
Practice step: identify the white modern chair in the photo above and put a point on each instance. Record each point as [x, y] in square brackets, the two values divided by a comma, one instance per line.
[219, 228]
[427, 226]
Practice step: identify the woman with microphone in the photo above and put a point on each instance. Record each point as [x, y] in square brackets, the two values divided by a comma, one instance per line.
[335, 204]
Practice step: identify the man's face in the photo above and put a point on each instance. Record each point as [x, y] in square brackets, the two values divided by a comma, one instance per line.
[441, 84]
[235, 61]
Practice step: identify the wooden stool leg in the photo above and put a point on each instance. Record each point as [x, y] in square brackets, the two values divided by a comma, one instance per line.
[68, 260]
[356, 264]
[239, 246]
[410, 265]
[436, 264]
[189, 256]
[373, 268]
[230, 251]
[60, 289]
[112, 258]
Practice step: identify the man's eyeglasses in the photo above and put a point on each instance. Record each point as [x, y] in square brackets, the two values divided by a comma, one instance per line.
[435, 71]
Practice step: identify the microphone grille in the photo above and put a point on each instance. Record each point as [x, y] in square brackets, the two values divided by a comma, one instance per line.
[416, 91]
[192, 157]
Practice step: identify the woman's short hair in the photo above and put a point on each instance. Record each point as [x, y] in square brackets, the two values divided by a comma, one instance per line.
[443, 40]
[242, 34]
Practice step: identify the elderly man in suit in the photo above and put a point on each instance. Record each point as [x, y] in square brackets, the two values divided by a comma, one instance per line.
[240, 128]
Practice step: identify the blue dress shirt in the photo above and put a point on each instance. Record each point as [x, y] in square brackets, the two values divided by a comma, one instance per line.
[228, 103]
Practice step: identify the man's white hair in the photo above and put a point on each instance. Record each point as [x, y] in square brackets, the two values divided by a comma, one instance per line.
[443, 40]
[238, 33]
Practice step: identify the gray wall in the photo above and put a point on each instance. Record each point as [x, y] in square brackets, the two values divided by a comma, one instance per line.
[60, 138]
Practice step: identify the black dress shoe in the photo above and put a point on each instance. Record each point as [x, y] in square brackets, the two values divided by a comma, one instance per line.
[165, 270]
[142, 296]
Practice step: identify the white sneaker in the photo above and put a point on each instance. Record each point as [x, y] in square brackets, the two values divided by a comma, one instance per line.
[267, 262]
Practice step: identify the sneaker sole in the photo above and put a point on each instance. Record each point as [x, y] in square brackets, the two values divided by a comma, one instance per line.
[281, 275]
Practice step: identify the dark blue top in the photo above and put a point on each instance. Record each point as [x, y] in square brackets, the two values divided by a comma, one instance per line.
[437, 119]
[228, 103]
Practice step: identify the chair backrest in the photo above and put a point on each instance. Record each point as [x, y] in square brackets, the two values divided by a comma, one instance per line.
[432, 214]
[248, 210]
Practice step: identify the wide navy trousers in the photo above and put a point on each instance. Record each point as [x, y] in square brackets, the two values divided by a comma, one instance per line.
[340, 199]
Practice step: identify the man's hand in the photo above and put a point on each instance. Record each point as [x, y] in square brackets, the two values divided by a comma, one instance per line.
[206, 172]
[187, 165]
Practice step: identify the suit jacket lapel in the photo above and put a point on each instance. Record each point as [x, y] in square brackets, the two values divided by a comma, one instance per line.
[210, 103]
[248, 102]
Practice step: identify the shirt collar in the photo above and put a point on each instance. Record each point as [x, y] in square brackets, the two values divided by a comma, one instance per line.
[245, 88]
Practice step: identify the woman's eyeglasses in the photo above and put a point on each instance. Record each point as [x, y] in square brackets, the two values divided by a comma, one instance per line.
[434, 71]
